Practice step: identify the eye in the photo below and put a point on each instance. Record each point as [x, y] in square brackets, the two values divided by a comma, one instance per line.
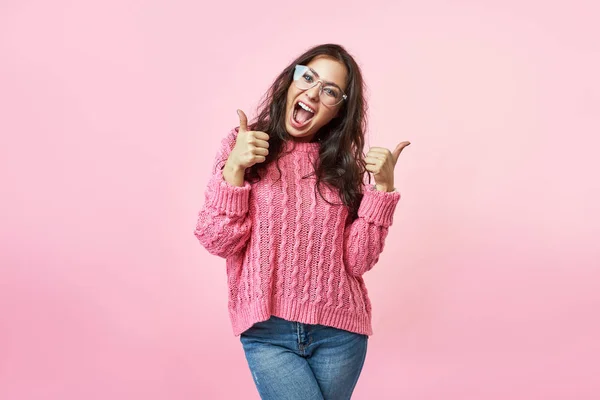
[307, 77]
[331, 91]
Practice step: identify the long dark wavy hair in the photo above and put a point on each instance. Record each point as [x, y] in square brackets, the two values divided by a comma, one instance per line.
[341, 164]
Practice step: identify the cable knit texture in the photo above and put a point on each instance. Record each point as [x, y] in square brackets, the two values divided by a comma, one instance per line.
[289, 252]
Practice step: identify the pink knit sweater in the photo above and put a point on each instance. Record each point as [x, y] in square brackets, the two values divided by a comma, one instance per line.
[288, 252]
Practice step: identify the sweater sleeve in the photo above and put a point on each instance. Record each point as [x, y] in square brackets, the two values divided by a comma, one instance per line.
[223, 225]
[365, 236]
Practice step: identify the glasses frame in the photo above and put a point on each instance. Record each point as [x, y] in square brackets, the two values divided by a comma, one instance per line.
[322, 82]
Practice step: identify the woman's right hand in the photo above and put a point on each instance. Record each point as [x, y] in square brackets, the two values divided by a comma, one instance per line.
[251, 147]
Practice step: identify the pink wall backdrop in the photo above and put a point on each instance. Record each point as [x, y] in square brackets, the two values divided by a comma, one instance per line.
[110, 115]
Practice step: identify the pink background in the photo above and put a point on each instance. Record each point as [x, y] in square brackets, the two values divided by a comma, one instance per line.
[110, 115]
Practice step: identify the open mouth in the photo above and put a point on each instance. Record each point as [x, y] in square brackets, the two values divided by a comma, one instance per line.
[302, 115]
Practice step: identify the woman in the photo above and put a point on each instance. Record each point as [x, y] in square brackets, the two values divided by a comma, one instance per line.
[288, 209]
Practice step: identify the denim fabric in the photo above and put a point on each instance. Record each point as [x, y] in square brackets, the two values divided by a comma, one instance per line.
[291, 360]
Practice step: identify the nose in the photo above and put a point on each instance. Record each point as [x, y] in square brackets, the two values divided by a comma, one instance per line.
[314, 92]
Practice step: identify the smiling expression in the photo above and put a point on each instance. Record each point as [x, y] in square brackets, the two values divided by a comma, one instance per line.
[328, 70]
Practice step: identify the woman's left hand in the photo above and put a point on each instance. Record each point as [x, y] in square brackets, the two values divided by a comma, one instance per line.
[381, 162]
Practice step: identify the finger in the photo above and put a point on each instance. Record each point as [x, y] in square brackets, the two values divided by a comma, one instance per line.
[373, 160]
[377, 155]
[398, 150]
[372, 168]
[243, 121]
[260, 135]
[260, 143]
[259, 159]
[260, 151]
[380, 150]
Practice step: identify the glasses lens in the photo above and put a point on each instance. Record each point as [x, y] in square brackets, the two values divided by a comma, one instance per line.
[303, 77]
[331, 95]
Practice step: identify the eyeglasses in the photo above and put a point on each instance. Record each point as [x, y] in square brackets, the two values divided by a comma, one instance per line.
[329, 93]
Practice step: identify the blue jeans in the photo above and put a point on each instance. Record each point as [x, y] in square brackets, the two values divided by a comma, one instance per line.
[291, 360]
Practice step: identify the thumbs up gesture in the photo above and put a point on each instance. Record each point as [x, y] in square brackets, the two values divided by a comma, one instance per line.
[251, 147]
[381, 162]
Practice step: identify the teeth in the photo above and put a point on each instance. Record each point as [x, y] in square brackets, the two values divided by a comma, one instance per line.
[307, 108]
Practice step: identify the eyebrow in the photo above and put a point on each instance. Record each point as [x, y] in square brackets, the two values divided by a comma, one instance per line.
[327, 82]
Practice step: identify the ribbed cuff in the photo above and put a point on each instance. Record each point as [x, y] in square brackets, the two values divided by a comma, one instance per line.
[378, 207]
[229, 199]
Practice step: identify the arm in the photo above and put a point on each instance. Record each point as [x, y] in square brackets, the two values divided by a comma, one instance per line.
[365, 237]
[223, 225]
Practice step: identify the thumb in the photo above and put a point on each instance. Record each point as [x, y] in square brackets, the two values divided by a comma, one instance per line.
[243, 121]
[398, 150]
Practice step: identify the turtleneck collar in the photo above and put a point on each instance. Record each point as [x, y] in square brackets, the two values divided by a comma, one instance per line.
[307, 147]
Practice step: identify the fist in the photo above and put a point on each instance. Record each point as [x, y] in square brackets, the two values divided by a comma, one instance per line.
[381, 162]
[251, 147]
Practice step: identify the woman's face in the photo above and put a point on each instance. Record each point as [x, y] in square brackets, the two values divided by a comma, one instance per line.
[304, 124]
